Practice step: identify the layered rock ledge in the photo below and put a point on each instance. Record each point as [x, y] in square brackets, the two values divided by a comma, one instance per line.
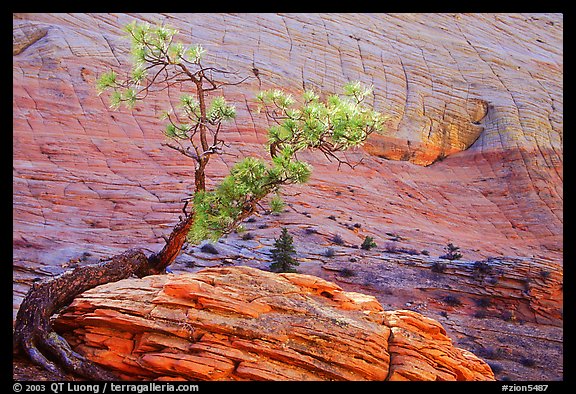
[242, 323]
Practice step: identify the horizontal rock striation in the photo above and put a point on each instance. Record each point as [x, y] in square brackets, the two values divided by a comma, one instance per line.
[242, 323]
[530, 290]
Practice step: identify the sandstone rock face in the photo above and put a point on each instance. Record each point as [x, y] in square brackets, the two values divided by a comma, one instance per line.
[242, 323]
[26, 34]
[475, 137]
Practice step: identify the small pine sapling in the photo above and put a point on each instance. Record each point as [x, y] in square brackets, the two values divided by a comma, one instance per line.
[452, 252]
[282, 253]
[368, 243]
[276, 205]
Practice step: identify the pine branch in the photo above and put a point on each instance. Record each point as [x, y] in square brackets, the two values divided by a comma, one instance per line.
[185, 152]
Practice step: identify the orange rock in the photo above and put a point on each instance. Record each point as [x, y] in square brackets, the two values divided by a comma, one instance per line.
[203, 366]
[421, 351]
[215, 336]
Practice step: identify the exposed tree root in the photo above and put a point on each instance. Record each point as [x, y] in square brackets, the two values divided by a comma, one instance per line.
[33, 333]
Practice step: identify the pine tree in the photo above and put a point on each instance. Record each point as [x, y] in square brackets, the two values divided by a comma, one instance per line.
[328, 124]
[368, 243]
[282, 253]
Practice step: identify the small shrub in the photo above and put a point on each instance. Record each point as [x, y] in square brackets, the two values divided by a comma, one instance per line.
[425, 252]
[337, 239]
[452, 301]
[544, 274]
[190, 263]
[310, 230]
[247, 236]
[452, 252]
[332, 217]
[368, 243]
[410, 251]
[209, 248]
[391, 247]
[329, 252]
[487, 352]
[353, 259]
[527, 362]
[438, 267]
[483, 302]
[394, 237]
[482, 268]
[444, 314]
[347, 272]
[357, 225]
[251, 219]
[491, 353]
[262, 226]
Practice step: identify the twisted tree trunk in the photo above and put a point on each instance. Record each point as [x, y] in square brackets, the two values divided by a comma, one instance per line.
[33, 333]
[158, 262]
